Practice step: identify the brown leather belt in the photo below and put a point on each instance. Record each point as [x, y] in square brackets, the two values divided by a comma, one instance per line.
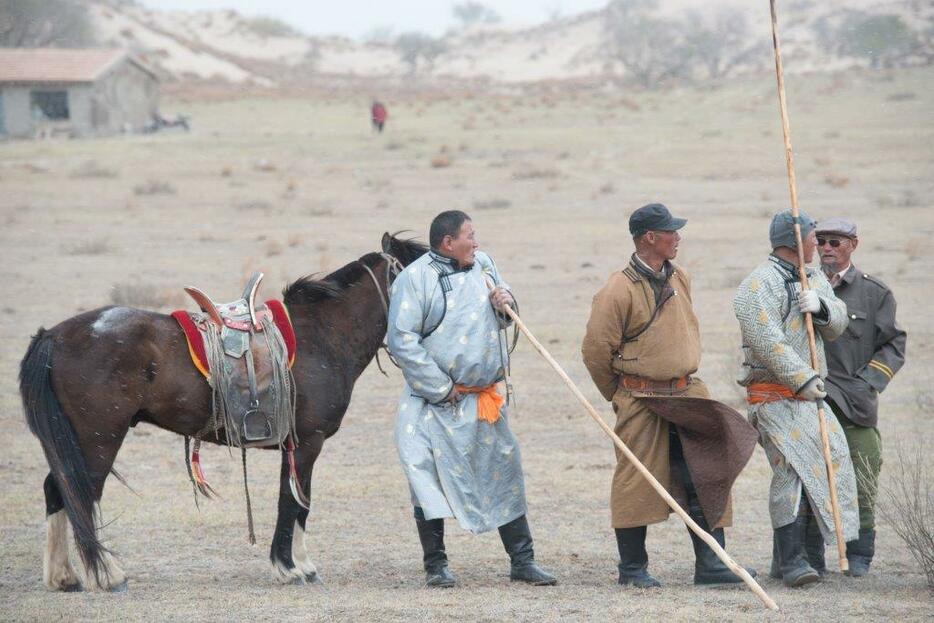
[635, 383]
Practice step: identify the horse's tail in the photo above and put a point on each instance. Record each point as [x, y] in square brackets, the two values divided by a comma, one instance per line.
[48, 422]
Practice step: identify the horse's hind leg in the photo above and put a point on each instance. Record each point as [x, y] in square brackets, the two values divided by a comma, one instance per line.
[288, 554]
[57, 572]
[100, 450]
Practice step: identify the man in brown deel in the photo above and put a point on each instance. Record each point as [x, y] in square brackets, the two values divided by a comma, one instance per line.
[641, 348]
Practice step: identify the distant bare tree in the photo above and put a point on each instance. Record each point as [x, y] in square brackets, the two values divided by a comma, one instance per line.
[470, 13]
[720, 41]
[554, 10]
[380, 34]
[266, 26]
[650, 48]
[416, 46]
[44, 23]
[883, 39]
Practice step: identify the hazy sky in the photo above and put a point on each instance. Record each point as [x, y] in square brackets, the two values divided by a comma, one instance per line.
[356, 18]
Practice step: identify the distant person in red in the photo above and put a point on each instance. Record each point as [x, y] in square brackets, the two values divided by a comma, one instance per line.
[378, 115]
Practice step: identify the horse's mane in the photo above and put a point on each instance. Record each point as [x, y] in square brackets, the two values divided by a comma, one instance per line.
[311, 289]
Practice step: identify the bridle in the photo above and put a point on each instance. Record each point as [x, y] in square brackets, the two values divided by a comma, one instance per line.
[393, 268]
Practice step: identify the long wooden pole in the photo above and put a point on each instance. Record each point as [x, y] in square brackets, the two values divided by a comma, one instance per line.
[691, 524]
[803, 277]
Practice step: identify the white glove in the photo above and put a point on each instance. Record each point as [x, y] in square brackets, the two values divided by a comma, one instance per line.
[808, 301]
[813, 390]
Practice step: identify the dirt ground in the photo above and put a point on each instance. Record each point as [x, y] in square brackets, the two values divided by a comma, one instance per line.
[294, 186]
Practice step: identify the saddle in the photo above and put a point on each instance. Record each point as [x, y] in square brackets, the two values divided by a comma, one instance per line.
[244, 350]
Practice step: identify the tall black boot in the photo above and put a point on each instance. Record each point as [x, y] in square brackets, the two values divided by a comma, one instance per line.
[859, 553]
[633, 559]
[517, 540]
[775, 571]
[431, 534]
[814, 546]
[793, 565]
[708, 568]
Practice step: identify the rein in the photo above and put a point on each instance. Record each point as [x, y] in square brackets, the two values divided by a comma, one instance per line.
[393, 268]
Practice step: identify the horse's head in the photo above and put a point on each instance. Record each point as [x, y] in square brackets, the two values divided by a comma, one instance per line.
[404, 250]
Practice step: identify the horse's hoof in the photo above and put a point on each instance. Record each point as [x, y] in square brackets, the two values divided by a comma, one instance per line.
[309, 579]
[72, 588]
[122, 587]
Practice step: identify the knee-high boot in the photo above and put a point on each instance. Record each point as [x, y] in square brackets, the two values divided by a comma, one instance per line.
[792, 560]
[633, 559]
[431, 534]
[517, 541]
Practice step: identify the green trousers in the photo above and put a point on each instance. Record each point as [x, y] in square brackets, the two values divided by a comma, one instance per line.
[866, 452]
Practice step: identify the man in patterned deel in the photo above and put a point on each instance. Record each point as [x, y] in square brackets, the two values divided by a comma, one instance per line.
[782, 393]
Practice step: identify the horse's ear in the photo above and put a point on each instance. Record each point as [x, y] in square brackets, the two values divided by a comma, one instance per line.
[387, 242]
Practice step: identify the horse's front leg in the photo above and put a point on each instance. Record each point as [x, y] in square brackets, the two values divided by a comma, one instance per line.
[290, 559]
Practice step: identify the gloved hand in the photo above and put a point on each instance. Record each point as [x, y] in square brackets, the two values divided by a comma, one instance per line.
[813, 390]
[808, 301]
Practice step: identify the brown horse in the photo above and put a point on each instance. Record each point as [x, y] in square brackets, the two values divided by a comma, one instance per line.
[87, 380]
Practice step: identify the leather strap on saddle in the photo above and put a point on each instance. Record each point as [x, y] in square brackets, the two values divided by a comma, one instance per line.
[634, 383]
[280, 317]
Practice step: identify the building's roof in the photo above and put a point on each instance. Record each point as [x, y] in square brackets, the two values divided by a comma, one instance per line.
[33, 65]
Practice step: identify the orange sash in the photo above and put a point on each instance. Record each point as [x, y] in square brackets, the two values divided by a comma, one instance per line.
[757, 393]
[488, 401]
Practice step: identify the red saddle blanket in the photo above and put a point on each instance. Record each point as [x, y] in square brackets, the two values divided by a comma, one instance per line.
[280, 317]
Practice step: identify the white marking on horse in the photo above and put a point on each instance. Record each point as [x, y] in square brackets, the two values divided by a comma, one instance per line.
[111, 319]
[300, 554]
[57, 572]
[304, 570]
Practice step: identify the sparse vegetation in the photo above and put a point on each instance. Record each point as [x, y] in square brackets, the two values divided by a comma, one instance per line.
[536, 173]
[416, 48]
[440, 161]
[470, 13]
[90, 169]
[253, 204]
[98, 246]
[154, 187]
[44, 23]
[905, 501]
[496, 203]
[144, 296]
[882, 39]
[265, 26]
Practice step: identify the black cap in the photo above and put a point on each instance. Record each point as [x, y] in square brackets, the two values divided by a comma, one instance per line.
[653, 217]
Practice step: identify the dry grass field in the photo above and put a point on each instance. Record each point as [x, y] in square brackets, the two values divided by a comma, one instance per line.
[294, 186]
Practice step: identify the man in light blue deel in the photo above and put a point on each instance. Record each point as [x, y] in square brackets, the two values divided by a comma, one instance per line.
[452, 433]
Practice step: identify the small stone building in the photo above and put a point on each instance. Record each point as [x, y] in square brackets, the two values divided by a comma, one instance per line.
[91, 92]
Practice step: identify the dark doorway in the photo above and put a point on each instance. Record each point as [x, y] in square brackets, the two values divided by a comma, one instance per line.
[50, 104]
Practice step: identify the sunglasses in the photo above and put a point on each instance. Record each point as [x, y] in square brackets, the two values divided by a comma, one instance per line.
[834, 242]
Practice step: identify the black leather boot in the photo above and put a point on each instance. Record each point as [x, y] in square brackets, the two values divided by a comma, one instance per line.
[708, 568]
[431, 534]
[814, 546]
[517, 540]
[793, 565]
[633, 559]
[859, 553]
[775, 571]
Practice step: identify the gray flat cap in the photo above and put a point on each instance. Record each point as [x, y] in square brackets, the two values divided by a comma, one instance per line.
[837, 225]
[782, 229]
